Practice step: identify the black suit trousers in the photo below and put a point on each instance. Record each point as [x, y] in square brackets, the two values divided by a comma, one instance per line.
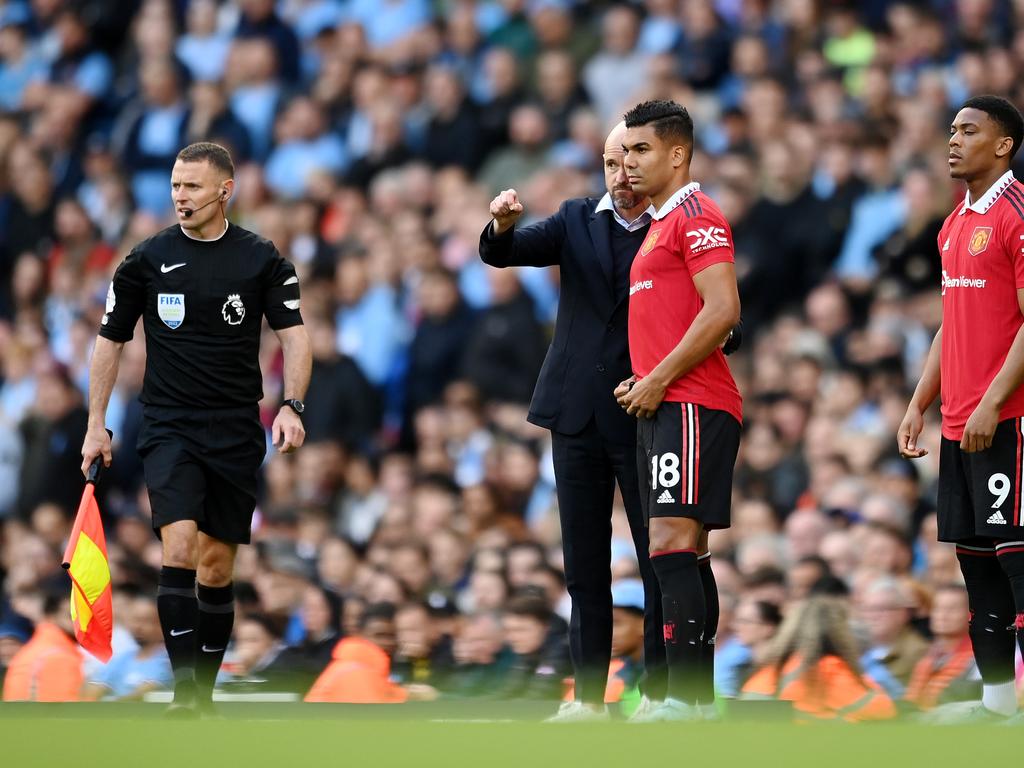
[587, 467]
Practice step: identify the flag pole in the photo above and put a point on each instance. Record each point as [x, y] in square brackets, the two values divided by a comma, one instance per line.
[85, 559]
[91, 478]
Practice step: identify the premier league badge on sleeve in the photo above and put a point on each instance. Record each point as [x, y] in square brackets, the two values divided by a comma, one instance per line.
[171, 308]
[233, 310]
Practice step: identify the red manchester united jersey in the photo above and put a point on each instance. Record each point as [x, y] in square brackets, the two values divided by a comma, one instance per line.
[688, 235]
[982, 247]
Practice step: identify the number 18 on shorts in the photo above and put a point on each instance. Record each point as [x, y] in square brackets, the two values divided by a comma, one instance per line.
[685, 457]
[980, 494]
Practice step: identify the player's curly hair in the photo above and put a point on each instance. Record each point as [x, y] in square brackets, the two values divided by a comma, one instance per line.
[1006, 116]
[214, 154]
[670, 120]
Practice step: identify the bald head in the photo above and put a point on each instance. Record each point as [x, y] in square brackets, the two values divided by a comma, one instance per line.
[628, 205]
[613, 144]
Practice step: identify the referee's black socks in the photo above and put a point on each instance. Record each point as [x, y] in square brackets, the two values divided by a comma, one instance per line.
[179, 618]
[682, 600]
[216, 617]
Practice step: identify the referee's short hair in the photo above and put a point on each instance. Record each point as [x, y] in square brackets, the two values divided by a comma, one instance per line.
[669, 120]
[214, 154]
[1003, 113]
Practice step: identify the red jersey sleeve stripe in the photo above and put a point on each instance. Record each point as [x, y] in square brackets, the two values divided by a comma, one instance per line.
[1016, 198]
[696, 200]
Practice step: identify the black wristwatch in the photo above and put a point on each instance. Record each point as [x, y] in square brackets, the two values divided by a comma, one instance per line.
[296, 405]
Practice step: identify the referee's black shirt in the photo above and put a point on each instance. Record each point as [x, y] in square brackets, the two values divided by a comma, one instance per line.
[202, 304]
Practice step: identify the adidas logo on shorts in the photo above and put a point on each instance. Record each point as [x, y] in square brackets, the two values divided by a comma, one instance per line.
[665, 498]
[995, 519]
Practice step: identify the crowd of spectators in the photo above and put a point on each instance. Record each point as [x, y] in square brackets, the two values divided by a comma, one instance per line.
[419, 523]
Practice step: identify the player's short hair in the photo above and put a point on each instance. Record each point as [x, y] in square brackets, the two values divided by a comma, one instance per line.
[669, 120]
[214, 154]
[1006, 116]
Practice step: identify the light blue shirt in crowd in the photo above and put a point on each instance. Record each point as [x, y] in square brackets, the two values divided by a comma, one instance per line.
[731, 658]
[205, 57]
[373, 333]
[876, 215]
[126, 672]
[94, 75]
[289, 166]
[255, 106]
[15, 77]
[160, 130]
[387, 21]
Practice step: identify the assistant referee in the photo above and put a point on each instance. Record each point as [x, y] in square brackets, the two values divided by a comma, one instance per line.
[202, 288]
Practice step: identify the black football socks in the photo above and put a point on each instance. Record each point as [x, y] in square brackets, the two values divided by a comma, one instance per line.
[682, 599]
[216, 617]
[179, 618]
[706, 694]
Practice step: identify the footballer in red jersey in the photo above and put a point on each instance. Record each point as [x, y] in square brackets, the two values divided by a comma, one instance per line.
[976, 366]
[683, 304]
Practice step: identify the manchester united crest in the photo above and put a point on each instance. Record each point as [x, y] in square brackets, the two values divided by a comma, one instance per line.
[650, 242]
[979, 240]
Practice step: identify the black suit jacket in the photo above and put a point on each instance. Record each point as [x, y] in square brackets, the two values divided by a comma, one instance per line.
[589, 354]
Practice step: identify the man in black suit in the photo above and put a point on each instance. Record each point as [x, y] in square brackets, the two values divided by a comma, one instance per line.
[594, 442]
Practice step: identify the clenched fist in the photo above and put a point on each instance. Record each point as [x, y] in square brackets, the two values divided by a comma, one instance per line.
[505, 209]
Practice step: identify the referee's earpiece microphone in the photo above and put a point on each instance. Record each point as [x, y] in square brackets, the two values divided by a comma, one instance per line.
[187, 213]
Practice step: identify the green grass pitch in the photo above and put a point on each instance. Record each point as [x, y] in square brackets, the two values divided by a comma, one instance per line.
[478, 734]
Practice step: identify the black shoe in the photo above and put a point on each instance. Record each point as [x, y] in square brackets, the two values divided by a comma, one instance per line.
[184, 705]
[179, 711]
[208, 710]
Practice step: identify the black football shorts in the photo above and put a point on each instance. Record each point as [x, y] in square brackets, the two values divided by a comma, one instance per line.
[980, 494]
[685, 457]
[203, 465]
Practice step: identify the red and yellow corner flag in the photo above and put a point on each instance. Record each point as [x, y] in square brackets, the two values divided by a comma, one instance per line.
[86, 561]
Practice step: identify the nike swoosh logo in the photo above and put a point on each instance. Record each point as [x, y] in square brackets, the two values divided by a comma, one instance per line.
[179, 632]
[165, 269]
[212, 650]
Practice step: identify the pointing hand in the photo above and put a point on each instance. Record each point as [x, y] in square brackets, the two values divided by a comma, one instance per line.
[505, 209]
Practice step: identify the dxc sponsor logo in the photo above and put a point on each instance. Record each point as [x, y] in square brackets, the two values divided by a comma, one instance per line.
[703, 239]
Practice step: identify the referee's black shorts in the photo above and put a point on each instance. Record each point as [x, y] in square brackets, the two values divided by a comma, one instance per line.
[203, 465]
[685, 457]
[981, 495]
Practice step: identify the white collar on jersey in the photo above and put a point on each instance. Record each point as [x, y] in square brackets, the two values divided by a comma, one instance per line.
[676, 200]
[630, 226]
[987, 200]
[200, 240]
